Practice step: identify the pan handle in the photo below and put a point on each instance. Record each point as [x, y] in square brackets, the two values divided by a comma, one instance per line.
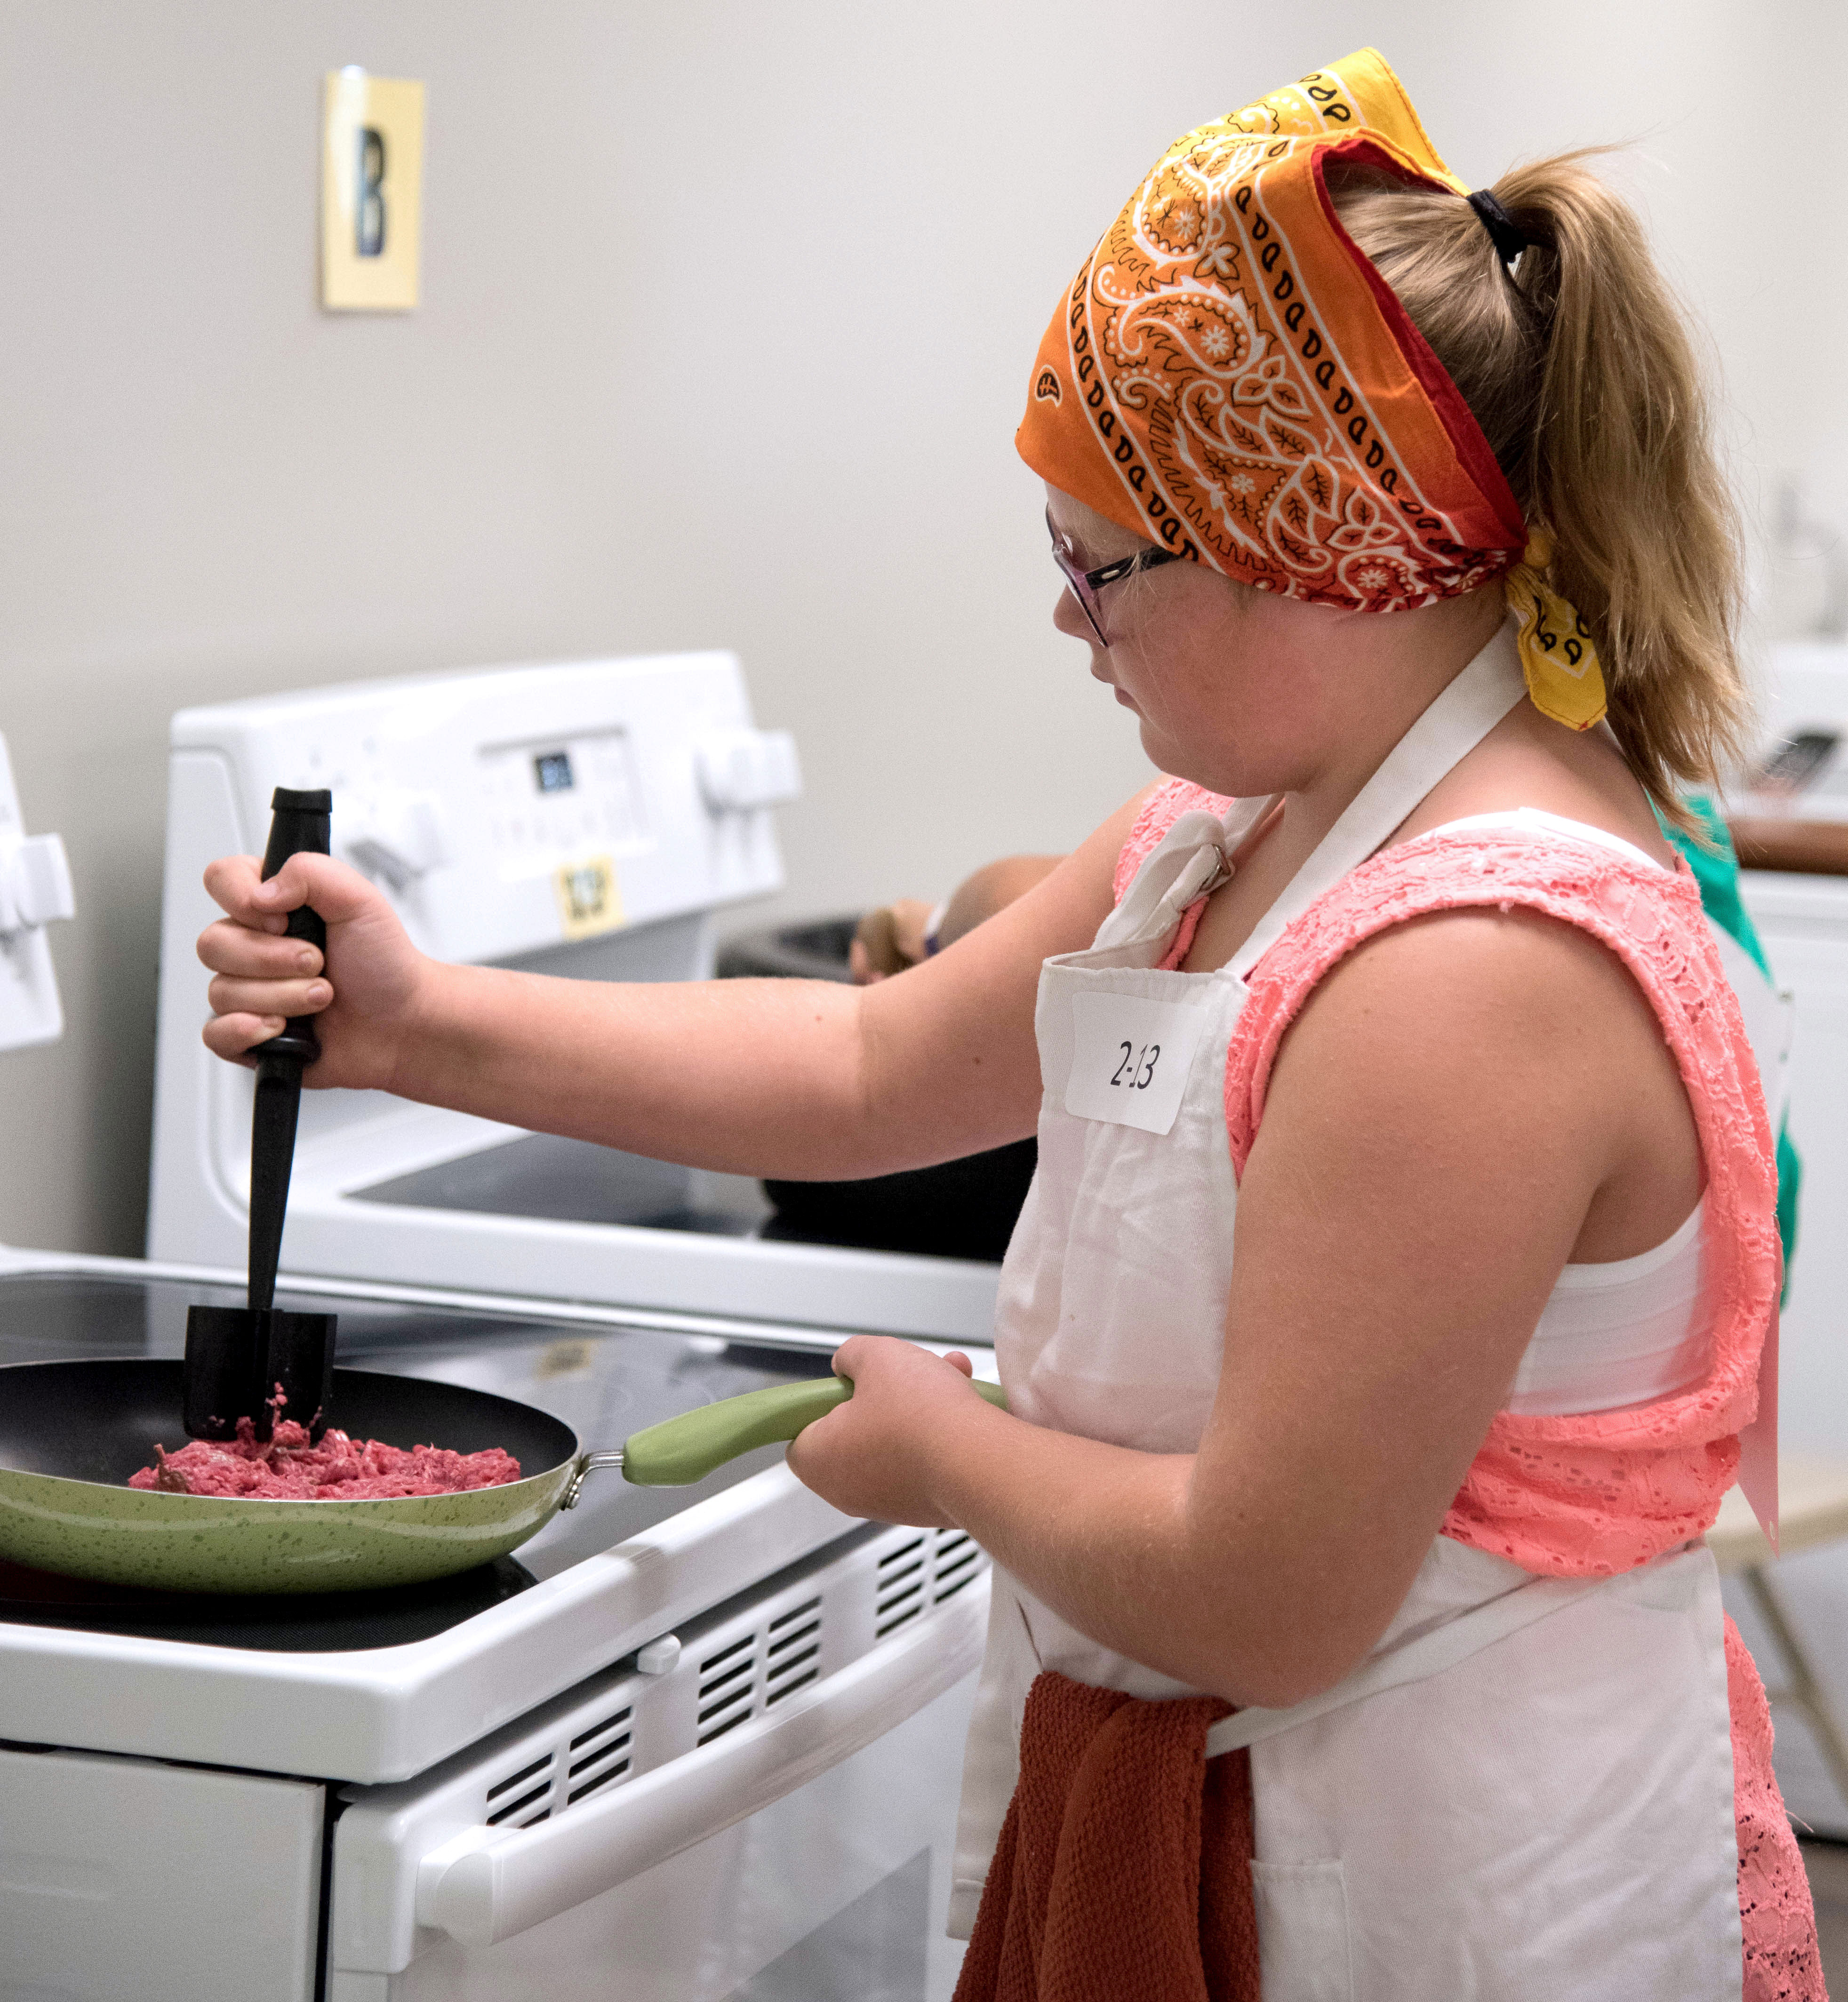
[686, 1449]
[588, 1463]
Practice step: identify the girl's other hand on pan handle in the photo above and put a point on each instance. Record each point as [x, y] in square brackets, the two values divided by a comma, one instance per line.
[365, 996]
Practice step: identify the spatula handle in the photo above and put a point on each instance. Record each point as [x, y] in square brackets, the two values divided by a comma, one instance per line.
[682, 1450]
[300, 824]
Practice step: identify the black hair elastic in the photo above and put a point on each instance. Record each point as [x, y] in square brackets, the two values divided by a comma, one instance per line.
[1504, 231]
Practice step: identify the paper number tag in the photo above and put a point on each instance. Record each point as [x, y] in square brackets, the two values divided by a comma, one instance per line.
[1130, 1058]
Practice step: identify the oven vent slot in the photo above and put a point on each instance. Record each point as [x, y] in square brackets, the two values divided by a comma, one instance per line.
[958, 1563]
[900, 1588]
[590, 1786]
[514, 1795]
[794, 1654]
[727, 1687]
[597, 1730]
[598, 1756]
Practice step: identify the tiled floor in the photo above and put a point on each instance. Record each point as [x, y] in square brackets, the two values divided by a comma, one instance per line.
[1828, 1865]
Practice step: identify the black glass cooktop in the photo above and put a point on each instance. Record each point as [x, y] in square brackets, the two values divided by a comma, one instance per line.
[606, 1382]
[955, 1209]
[570, 1181]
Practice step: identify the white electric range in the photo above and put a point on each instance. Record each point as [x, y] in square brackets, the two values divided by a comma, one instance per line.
[690, 1744]
[587, 819]
[695, 1745]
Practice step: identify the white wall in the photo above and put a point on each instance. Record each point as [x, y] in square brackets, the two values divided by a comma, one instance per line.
[728, 310]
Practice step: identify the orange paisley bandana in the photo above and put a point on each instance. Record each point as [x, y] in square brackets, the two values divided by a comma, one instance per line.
[1230, 376]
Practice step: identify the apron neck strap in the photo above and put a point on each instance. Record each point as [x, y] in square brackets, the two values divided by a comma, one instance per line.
[1442, 738]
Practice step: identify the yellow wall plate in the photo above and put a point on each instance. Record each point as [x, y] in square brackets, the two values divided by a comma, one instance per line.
[590, 897]
[372, 191]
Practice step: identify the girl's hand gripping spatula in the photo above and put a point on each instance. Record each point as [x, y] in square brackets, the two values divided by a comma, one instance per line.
[256, 1360]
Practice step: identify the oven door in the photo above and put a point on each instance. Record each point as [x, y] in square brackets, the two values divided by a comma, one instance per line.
[768, 1817]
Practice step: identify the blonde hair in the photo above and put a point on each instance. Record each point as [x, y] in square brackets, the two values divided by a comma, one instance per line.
[1579, 367]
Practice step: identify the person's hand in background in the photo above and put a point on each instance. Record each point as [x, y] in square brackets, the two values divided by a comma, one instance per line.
[890, 938]
[899, 934]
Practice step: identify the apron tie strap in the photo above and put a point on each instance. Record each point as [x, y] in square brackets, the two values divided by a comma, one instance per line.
[1481, 1626]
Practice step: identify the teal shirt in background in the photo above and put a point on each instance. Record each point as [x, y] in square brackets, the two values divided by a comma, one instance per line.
[1716, 867]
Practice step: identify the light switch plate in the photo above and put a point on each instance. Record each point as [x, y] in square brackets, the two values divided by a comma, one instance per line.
[30, 1012]
[372, 191]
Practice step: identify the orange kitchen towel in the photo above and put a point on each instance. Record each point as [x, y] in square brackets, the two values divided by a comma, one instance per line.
[1123, 1869]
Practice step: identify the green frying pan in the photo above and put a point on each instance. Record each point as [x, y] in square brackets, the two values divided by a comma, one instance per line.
[71, 1433]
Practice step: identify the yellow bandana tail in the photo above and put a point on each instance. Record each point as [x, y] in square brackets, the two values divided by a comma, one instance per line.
[1559, 657]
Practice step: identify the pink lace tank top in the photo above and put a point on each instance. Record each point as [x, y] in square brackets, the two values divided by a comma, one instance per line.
[1593, 1493]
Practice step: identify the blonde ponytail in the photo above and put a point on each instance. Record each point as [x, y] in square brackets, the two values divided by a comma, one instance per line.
[1579, 367]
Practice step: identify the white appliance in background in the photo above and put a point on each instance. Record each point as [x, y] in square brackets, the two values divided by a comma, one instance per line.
[1803, 922]
[687, 1745]
[35, 891]
[584, 819]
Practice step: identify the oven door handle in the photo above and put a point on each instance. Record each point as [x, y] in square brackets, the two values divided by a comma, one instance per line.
[487, 1884]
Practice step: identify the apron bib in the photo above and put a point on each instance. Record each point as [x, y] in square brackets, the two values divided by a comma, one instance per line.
[1525, 1791]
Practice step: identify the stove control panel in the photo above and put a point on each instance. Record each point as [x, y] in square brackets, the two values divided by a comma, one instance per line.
[512, 809]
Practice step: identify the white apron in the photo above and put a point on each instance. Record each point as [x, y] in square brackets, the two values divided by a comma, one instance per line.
[1526, 1793]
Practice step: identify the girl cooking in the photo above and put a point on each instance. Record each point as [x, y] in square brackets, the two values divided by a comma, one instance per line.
[1382, 1327]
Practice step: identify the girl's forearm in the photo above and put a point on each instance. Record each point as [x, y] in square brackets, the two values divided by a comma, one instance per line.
[1108, 1538]
[806, 1080]
[753, 1076]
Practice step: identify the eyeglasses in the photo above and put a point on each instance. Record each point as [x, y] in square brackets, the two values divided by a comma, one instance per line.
[1086, 583]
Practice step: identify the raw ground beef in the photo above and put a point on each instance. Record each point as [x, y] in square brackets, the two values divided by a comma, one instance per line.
[287, 1468]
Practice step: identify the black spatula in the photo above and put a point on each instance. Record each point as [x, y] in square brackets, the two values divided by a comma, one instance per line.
[253, 1361]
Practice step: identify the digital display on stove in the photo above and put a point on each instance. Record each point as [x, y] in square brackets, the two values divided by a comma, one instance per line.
[552, 770]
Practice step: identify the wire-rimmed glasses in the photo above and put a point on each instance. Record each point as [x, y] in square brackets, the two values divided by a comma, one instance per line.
[1086, 583]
